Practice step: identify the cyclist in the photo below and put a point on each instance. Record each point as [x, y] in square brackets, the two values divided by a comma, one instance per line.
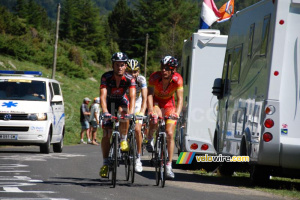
[162, 86]
[133, 68]
[113, 98]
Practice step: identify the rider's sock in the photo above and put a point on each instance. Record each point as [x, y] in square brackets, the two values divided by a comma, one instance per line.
[105, 161]
[169, 163]
[138, 156]
[123, 137]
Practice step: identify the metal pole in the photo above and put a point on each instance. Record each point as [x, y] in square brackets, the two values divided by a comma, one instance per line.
[56, 41]
[146, 52]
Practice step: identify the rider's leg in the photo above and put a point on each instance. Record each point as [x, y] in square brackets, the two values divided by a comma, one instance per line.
[153, 126]
[124, 123]
[105, 142]
[170, 126]
[138, 136]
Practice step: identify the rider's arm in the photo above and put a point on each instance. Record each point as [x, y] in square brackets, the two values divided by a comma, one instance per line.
[150, 99]
[179, 94]
[132, 93]
[103, 95]
[144, 100]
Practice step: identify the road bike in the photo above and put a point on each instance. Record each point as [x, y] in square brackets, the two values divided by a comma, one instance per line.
[145, 127]
[160, 153]
[116, 156]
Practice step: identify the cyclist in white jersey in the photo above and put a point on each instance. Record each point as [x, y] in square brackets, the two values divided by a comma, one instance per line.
[133, 68]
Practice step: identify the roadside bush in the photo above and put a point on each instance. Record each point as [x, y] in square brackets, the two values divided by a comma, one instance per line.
[70, 68]
[75, 56]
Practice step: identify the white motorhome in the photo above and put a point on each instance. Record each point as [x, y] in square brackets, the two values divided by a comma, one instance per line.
[202, 61]
[31, 111]
[259, 92]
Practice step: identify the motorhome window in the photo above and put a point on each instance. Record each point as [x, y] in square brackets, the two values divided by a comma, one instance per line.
[226, 71]
[236, 64]
[187, 70]
[56, 89]
[19, 89]
[250, 42]
[265, 35]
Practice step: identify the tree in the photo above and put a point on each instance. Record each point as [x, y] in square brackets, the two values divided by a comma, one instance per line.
[87, 24]
[182, 19]
[68, 18]
[120, 23]
[21, 8]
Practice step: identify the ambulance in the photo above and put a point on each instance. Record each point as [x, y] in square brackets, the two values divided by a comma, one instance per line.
[31, 110]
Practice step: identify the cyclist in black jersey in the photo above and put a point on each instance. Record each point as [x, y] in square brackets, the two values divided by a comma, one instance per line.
[113, 98]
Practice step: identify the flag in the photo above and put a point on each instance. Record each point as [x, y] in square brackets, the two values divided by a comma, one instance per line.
[209, 14]
[226, 11]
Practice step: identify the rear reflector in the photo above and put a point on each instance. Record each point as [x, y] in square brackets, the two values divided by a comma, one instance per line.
[269, 123]
[194, 146]
[204, 147]
[270, 110]
[267, 137]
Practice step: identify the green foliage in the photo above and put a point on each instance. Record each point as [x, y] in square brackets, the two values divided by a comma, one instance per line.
[120, 22]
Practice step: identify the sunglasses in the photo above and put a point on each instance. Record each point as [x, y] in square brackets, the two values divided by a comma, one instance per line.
[167, 68]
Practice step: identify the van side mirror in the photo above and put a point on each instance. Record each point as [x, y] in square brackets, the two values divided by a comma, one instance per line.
[217, 88]
[57, 98]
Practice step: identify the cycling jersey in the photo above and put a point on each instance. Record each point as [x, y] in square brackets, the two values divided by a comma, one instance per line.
[165, 98]
[115, 93]
[141, 83]
[116, 96]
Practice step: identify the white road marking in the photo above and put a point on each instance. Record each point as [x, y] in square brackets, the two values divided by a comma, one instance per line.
[14, 171]
[14, 178]
[15, 184]
[32, 199]
[3, 166]
[39, 157]
[17, 190]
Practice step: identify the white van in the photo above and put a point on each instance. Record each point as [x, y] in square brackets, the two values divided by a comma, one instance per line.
[259, 92]
[202, 61]
[31, 110]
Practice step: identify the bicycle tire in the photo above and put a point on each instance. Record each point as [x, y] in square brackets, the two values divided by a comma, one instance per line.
[127, 168]
[115, 160]
[132, 155]
[157, 161]
[164, 160]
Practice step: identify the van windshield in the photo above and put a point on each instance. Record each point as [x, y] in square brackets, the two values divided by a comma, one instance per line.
[19, 89]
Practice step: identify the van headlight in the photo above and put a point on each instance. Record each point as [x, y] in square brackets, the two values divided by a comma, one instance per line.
[37, 116]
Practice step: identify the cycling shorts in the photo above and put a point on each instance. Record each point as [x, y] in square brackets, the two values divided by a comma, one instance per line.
[112, 107]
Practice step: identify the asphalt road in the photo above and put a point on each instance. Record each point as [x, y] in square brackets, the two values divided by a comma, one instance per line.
[73, 174]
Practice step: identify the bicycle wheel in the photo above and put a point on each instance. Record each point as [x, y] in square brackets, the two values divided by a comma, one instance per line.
[132, 155]
[127, 168]
[157, 160]
[163, 164]
[115, 160]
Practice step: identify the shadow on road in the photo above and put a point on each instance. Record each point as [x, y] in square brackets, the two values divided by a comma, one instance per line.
[86, 182]
[184, 174]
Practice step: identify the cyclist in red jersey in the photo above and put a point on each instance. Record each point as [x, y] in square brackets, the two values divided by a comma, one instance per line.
[161, 89]
[113, 98]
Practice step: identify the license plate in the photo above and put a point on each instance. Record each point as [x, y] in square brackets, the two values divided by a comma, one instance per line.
[9, 137]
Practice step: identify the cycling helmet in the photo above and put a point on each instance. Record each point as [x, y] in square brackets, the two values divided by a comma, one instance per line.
[119, 56]
[169, 61]
[133, 65]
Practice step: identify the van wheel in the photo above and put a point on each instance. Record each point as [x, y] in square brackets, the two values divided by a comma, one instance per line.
[45, 148]
[259, 175]
[58, 147]
[226, 169]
